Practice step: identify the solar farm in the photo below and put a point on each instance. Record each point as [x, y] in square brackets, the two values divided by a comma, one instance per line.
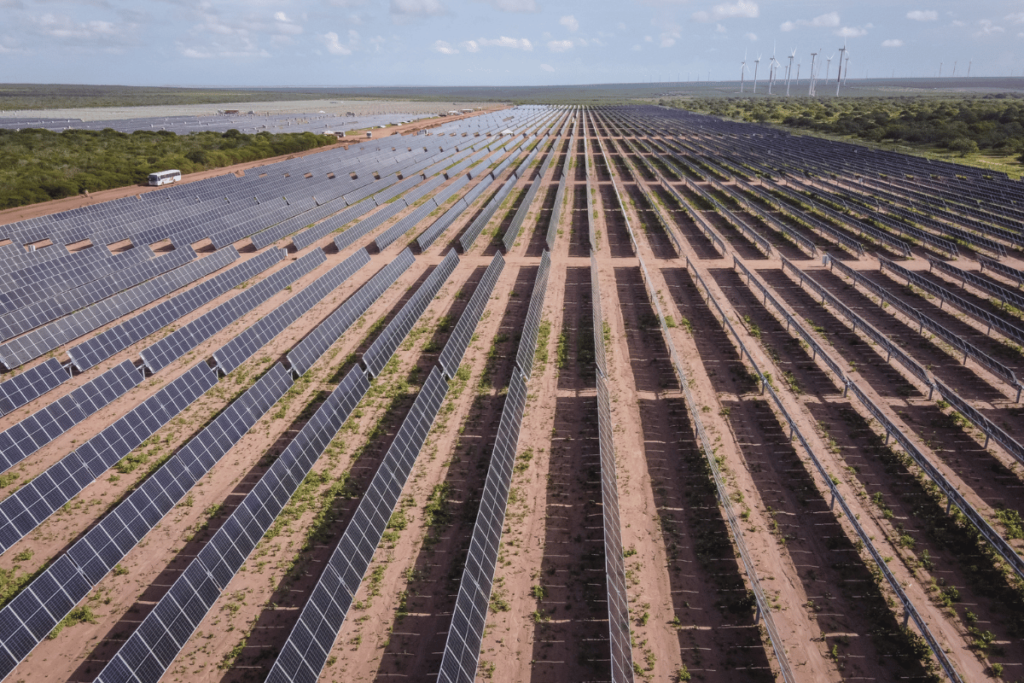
[551, 393]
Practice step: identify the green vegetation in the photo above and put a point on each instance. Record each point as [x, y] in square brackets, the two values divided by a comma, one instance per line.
[990, 125]
[39, 165]
[79, 615]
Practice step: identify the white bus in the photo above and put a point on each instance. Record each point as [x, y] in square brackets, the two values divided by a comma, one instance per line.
[164, 177]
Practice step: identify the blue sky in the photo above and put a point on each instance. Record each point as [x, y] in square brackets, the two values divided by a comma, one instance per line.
[489, 42]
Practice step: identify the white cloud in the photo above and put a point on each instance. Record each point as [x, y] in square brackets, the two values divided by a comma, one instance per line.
[560, 45]
[103, 33]
[505, 41]
[892, 42]
[752, 37]
[471, 46]
[1017, 18]
[851, 32]
[417, 7]
[444, 48]
[987, 28]
[569, 21]
[334, 45]
[547, 67]
[514, 5]
[719, 28]
[648, 39]
[741, 9]
[829, 20]
[923, 15]
[671, 34]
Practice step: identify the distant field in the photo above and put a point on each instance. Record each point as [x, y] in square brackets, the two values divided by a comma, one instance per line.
[39, 165]
[34, 96]
[982, 130]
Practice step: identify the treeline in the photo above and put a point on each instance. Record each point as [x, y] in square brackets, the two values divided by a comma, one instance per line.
[39, 165]
[991, 123]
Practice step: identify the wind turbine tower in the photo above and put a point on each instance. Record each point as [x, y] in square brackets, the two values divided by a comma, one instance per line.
[789, 71]
[839, 72]
[756, 63]
[940, 69]
[810, 86]
[954, 69]
[969, 68]
[828, 69]
[743, 71]
[846, 76]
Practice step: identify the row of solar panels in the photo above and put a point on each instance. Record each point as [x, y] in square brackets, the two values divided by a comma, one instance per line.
[57, 590]
[460, 660]
[75, 226]
[943, 244]
[998, 543]
[176, 616]
[880, 190]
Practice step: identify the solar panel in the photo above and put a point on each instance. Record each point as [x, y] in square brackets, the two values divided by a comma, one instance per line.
[305, 652]
[311, 235]
[615, 569]
[243, 346]
[1010, 330]
[455, 347]
[1002, 269]
[595, 294]
[27, 507]
[462, 648]
[306, 352]
[40, 290]
[441, 224]
[380, 352]
[51, 308]
[998, 543]
[924, 322]
[186, 338]
[31, 384]
[404, 225]
[1001, 294]
[87, 561]
[120, 337]
[346, 238]
[35, 431]
[793, 324]
[478, 225]
[528, 339]
[168, 627]
[990, 429]
[85, 320]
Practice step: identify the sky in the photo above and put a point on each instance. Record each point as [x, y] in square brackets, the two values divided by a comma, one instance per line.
[249, 43]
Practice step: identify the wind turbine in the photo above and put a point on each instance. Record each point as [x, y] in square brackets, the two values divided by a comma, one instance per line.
[828, 69]
[969, 68]
[789, 71]
[839, 72]
[743, 70]
[771, 71]
[940, 69]
[954, 69]
[810, 86]
[846, 77]
[756, 63]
